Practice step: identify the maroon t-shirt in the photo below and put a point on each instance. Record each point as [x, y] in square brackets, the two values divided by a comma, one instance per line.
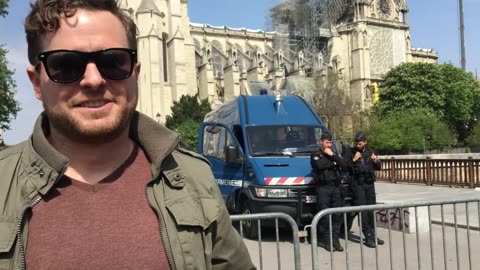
[108, 225]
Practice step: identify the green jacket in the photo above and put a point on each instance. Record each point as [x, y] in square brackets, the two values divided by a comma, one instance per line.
[196, 229]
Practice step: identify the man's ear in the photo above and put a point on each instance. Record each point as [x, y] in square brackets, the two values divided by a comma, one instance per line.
[34, 77]
[137, 69]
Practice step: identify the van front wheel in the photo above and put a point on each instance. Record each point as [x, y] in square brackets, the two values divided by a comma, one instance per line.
[250, 227]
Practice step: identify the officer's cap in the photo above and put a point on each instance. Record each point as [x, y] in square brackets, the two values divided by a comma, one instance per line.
[360, 137]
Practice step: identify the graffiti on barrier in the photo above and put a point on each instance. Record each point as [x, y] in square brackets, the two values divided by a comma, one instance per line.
[394, 217]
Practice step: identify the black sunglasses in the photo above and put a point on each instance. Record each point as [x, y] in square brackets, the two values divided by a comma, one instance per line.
[67, 66]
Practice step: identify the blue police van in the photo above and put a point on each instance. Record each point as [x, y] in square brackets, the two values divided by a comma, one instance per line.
[259, 148]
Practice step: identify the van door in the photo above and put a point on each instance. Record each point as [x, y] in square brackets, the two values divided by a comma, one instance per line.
[218, 144]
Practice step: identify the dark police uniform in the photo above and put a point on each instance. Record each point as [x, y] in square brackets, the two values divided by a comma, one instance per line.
[326, 171]
[363, 188]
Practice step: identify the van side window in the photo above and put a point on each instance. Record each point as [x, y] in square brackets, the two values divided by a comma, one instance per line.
[215, 142]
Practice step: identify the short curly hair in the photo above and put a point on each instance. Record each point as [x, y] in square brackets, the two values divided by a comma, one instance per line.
[45, 17]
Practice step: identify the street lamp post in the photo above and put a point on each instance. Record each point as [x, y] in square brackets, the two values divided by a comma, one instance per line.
[462, 36]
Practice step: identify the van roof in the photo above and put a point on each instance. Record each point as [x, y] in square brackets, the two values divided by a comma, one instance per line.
[266, 110]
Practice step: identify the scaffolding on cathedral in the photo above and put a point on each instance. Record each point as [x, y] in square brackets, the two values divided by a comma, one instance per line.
[308, 23]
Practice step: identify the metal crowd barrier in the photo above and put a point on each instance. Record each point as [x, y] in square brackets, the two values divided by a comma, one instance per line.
[276, 217]
[433, 234]
[438, 242]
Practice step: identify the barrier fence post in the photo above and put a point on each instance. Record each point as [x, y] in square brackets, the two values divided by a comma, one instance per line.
[392, 170]
[428, 173]
[471, 177]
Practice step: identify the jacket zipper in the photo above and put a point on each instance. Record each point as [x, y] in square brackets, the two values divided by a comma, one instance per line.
[161, 228]
[19, 231]
[22, 214]
[161, 224]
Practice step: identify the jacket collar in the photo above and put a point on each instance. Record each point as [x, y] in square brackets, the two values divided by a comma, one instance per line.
[45, 164]
[156, 140]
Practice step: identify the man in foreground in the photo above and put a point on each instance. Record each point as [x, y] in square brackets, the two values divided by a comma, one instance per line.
[99, 185]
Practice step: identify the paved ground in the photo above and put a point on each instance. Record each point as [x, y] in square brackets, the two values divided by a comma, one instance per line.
[387, 193]
[409, 192]
[445, 248]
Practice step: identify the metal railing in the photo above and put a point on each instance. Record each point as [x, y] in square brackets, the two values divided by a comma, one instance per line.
[433, 234]
[276, 217]
[429, 240]
[452, 172]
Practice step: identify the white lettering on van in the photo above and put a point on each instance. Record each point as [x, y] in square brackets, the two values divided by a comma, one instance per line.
[229, 182]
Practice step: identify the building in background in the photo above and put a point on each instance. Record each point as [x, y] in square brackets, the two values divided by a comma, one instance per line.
[357, 41]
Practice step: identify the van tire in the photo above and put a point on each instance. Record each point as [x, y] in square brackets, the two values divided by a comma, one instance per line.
[250, 227]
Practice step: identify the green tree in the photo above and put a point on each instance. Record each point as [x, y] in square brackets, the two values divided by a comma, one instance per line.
[187, 113]
[473, 139]
[460, 98]
[3, 8]
[446, 91]
[188, 107]
[475, 109]
[410, 131]
[188, 131]
[8, 105]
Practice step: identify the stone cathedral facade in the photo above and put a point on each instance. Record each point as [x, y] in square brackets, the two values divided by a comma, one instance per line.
[219, 63]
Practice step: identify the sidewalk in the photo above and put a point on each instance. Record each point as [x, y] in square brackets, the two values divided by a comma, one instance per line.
[389, 193]
[414, 192]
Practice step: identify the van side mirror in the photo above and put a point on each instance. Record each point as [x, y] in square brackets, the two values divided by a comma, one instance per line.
[233, 155]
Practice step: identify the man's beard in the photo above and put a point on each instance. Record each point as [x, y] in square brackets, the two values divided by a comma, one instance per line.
[70, 128]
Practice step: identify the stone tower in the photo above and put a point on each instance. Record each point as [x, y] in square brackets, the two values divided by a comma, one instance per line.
[377, 39]
[166, 52]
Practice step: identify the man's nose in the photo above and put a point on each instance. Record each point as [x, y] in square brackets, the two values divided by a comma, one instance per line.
[92, 78]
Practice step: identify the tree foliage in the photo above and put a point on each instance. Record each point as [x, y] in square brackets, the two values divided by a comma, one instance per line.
[8, 105]
[448, 92]
[188, 131]
[473, 139]
[410, 131]
[3, 8]
[187, 113]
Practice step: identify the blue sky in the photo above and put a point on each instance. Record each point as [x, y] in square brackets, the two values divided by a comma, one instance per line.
[434, 24]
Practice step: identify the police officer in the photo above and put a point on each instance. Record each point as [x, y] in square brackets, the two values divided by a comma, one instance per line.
[326, 171]
[363, 163]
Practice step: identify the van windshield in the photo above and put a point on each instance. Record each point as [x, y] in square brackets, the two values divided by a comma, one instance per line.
[283, 140]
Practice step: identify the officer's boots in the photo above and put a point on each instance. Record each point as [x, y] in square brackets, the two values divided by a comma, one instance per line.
[325, 243]
[380, 241]
[370, 242]
[336, 245]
